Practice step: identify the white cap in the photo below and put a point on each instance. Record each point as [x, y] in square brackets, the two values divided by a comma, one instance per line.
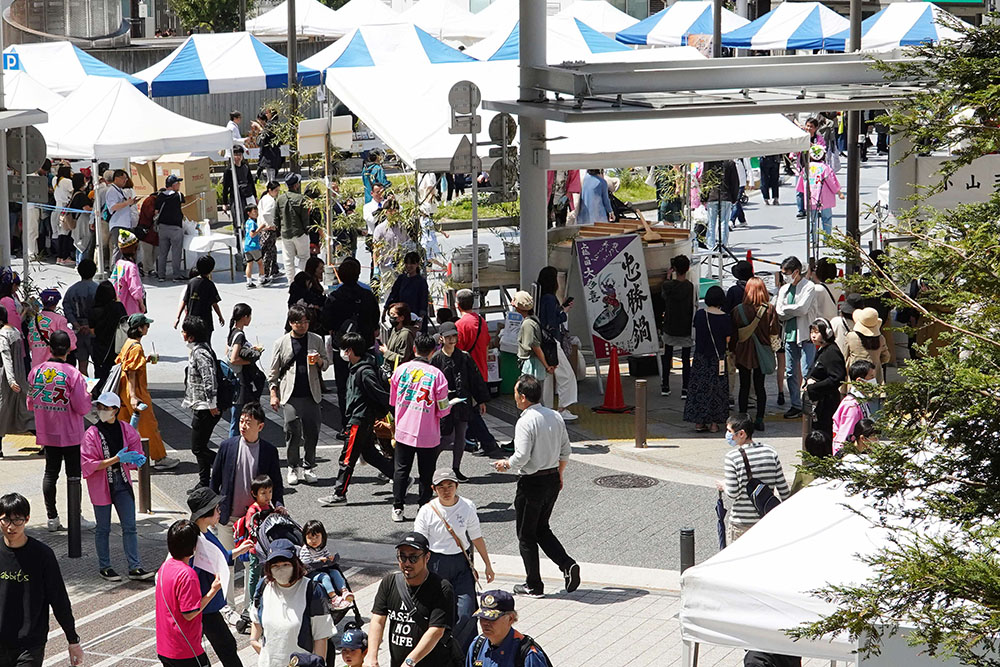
[110, 399]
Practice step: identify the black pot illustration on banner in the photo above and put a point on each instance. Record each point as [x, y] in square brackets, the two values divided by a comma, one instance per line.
[612, 321]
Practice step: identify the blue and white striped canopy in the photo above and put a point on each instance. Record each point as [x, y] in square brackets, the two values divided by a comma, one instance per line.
[566, 39]
[899, 24]
[399, 44]
[62, 67]
[222, 63]
[671, 26]
[790, 25]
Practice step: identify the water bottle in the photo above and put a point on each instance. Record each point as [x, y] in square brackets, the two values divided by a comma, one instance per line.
[134, 422]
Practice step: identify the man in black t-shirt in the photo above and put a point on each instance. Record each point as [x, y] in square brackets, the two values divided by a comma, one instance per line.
[202, 296]
[169, 226]
[420, 608]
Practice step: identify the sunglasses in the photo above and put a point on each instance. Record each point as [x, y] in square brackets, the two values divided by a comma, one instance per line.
[403, 558]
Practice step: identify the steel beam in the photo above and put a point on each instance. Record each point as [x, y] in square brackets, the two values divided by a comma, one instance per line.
[534, 239]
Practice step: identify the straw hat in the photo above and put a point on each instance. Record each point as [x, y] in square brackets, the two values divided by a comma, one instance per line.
[867, 322]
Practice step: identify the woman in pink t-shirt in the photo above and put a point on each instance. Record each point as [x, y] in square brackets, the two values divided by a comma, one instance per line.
[44, 324]
[125, 276]
[179, 601]
[824, 188]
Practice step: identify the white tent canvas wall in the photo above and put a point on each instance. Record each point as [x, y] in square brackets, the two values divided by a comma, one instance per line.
[20, 91]
[444, 19]
[312, 19]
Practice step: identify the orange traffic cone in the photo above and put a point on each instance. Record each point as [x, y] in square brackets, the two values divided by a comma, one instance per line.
[750, 259]
[613, 399]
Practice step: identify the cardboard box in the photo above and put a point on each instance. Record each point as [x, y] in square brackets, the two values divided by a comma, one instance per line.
[194, 171]
[143, 178]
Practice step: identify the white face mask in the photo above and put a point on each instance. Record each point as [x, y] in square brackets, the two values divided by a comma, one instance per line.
[282, 574]
[345, 356]
[106, 415]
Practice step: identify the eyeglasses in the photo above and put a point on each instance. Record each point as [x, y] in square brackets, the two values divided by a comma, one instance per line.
[403, 558]
[17, 520]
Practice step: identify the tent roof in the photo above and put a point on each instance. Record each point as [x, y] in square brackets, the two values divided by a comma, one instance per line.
[20, 91]
[567, 38]
[899, 24]
[671, 26]
[790, 25]
[599, 14]
[357, 13]
[222, 63]
[444, 19]
[812, 540]
[484, 22]
[419, 134]
[63, 67]
[109, 128]
[311, 18]
[400, 44]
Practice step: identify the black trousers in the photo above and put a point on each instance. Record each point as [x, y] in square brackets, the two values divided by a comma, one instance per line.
[22, 657]
[823, 409]
[360, 442]
[533, 502]
[746, 375]
[668, 365]
[479, 432]
[341, 371]
[54, 457]
[202, 424]
[217, 632]
[403, 464]
[200, 661]
[770, 180]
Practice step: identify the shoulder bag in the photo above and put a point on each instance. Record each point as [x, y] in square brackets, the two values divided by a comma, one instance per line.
[760, 494]
[715, 347]
[458, 541]
[765, 354]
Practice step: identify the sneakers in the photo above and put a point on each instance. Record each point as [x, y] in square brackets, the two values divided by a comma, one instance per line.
[251, 284]
[306, 476]
[382, 479]
[139, 574]
[86, 524]
[230, 615]
[522, 589]
[664, 391]
[459, 475]
[758, 426]
[397, 516]
[54, 526]
[774, 202]
[293, 478]
[684, 394]
[793, 413]
[781, 398]
[166, 463]
[572, 577]
[567, 415]
[109, 574]
[266, 280]
[332, 500]
[339, 602]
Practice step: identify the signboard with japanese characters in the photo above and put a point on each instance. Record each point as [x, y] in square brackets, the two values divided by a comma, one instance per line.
[972, 183]
[619, 308]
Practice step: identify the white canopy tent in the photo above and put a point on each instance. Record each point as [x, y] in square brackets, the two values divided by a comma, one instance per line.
[419, 135]
[312, 18]
[485, 21]
[20, 91]
[598, 14]
[444, 19]
[357, 13]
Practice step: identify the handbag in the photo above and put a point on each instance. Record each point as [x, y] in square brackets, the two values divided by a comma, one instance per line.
[765, 355]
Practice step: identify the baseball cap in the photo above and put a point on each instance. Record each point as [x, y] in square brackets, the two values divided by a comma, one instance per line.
[50, 297]
[415, 540]
[171, 179]
[292, 180]
[202, 502]
[138, 319]
[281, 548]
[494, 604]
[354, 638]
[306, 660]
[443, 475]
[448, 329]
[110, 399]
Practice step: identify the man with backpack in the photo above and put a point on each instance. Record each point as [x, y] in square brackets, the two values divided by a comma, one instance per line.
[749, 467]
[367, 399]
[350, 308]
[500, 645]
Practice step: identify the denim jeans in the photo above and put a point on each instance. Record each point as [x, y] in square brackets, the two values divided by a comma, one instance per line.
[825, 218]
[714, 208]
[124, 503]
[455, 568]
[800, 202]
[799, 355]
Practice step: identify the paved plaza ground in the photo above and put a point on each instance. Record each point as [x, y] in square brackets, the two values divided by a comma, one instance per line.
[627, 539]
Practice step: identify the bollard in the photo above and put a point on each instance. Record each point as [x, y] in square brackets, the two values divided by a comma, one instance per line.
[145, 490]
[640, 412]
[73, 496]
[687, 548]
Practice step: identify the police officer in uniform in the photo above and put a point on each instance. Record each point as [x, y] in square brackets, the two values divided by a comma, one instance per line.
[500, 645]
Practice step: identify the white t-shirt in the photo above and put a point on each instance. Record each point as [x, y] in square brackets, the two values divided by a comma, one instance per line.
[368, 212]
[284, 609]
[461, 517]
[123, 216]
[266, 209]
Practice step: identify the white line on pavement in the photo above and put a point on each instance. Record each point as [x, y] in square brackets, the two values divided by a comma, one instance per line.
[107, 610]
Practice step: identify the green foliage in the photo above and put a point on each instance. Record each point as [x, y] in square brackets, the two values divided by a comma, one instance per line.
[461, 209]
[213, 15]
[286, 127]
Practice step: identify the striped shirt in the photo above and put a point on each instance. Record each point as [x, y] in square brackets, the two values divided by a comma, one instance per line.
[765, 466]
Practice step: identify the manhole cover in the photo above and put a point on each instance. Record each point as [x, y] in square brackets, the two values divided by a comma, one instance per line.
[626, 481]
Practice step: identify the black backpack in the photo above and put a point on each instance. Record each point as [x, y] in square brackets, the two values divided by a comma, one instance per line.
[380, 401]
[523, 648]
[549, 344]
[761, 495]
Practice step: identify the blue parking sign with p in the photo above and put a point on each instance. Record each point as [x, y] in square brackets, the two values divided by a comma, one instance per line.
[11, 61]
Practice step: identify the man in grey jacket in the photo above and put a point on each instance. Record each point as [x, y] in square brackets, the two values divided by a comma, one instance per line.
[297, 364]
[201, 391]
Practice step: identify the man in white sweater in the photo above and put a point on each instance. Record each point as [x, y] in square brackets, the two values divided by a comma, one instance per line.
[796, 306]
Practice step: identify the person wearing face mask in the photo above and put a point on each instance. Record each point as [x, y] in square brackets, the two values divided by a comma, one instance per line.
[866, 341]
[290, 611]
[765, 466]
[796, 308]
[855, 406]
[825, 376]
[366, 400]
[398, 349]
[111, 450]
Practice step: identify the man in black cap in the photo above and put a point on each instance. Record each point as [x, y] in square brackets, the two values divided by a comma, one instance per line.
[420, 608]
[291, 215]
[500, 645]
[169, 225]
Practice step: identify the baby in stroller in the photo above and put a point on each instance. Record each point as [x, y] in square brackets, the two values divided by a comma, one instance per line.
[322, 566]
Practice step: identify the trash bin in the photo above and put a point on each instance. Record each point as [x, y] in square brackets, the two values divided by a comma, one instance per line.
[510, 371]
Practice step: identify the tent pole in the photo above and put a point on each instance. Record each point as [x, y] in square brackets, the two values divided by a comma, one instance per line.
[98, 222]
[25, 253]
[854, 146]
[238, 204]
[4, 195]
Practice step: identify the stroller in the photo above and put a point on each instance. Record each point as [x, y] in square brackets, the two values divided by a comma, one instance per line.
[270, 526]
[623, 209]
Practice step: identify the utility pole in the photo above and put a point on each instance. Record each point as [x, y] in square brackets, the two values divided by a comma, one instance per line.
[533, 158]
[243, 15]
[717, 28]
[293, 60]
[854, 144]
